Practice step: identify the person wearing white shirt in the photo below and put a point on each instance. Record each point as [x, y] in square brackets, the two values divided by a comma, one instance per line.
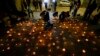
[46, 4]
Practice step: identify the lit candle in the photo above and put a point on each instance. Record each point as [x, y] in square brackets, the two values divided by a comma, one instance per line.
[78, 40]
[84, 51]
[58, 47]
[63, 49]
[53, 44]
[34, 53]
[29, 49]
[86, 39]
[8, 48]
[19, 34]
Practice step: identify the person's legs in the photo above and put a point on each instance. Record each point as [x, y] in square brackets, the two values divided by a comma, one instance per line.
[46, 6]
[40, 5]
[75, 12]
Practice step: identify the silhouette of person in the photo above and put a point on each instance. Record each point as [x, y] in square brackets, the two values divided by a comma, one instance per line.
[46, 17]
[40, 4]
[90, 8]
[76, 7]
[71, 6]
[35, 3]
[24, 5]
[28, 3]
[46, 4]
[54, 4]
[62, 16]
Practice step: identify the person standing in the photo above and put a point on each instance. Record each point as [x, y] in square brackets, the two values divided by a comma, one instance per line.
[40, 4]
[28, 3]
[72, 5]
[91, 7]
[35, 4]
[76, 7]
[46, 4]
[54, 4]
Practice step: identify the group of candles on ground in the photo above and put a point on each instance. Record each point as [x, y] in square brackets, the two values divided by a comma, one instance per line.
[70, 37]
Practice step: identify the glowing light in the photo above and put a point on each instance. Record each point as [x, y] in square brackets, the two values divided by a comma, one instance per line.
[84, 51]
[10, 35]
[40, 32]
[77, 27]
[57, 41]
[34, 53]
[36, 47]
[42, 24]
[63, 49]
[64, 38]
[20, 44]
[83, 34]
[34, 27]
[73, 54]
[95, 37]
[49, 45]
[24, 39]
[92, 32]
[86, 39]
[30, 33]
[8, 48]
[70, 24]
[11, 29]
[49, 50]
[40, 40]
[2, 44]
[50, 38]
[12, 40]
[50, 34]
[36, 43]
[66, 26]
[44, 35]
[29, 50]
[58, 47]
[16, 44]
[33, 37]
[23, 29]
[72, 43]
[55, 27]
[93, 42]
[8, 31]
[60, 26]
[81, 24]
[28, 40]
[33, 30]
[3, 50]
[19, 34]
[78, 40]
[53, 44]
[75, 32]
